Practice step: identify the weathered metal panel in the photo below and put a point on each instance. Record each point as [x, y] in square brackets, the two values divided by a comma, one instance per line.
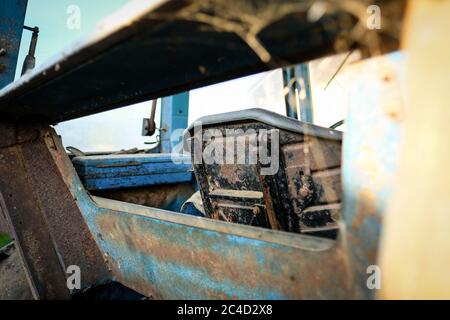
[125, 171]
[371, 153]
[46, 223]
[168, 197]
[4, 229]
[161, 49]
[160, 253]
[20, 203]
[12, 16]
[171, 256]
[174, 118]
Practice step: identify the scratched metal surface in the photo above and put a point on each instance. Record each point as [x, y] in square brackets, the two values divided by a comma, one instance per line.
[46, 224]
[125, 171]
[12, 16]
[146, 51]
[168, 255]
[371, 154]
[164, 196]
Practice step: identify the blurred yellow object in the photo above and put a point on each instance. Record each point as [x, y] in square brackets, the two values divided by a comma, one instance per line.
[415, 254]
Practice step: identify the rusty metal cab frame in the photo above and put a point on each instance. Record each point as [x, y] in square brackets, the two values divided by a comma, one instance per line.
[56, 222]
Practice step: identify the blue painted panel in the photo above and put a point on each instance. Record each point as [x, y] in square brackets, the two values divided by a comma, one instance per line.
[12, 16]
[136, 181]
[173, 256]
[371, 152]
[122, 171]
[174, 116]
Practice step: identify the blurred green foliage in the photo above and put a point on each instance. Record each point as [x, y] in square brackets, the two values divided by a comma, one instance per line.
[4, 240]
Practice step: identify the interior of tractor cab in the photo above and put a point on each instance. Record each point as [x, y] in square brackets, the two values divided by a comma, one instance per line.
[252, 167]
[219, 148]
[281, 173]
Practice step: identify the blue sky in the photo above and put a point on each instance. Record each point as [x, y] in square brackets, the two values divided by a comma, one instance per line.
[51, 18]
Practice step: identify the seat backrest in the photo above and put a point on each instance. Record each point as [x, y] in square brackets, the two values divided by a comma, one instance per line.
[260, 168]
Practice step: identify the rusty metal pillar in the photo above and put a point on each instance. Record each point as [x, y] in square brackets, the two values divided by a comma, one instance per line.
[42, 213]
[3, 224]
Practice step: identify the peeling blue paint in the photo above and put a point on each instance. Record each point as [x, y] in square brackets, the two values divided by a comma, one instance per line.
[123, 171]
[12, 17]
[187, 260]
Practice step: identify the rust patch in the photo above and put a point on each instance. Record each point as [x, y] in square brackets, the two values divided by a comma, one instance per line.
[295, 273]
[366, 207]
[151, 196]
